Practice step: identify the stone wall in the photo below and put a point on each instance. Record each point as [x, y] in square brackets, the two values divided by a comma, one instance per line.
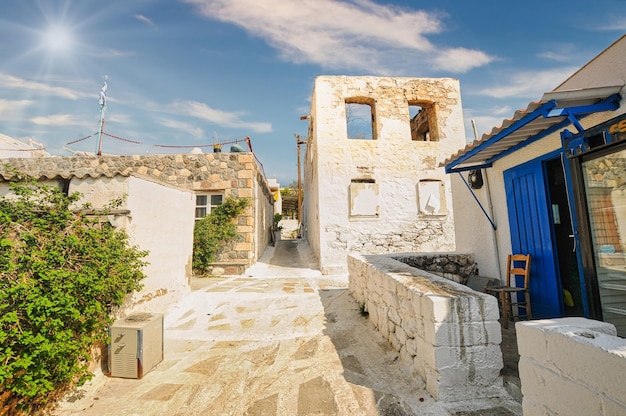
[233, 174]
[571, 366]
[449, 333]
[456, 267]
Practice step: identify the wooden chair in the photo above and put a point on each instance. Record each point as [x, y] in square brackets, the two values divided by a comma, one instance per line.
[508, 295]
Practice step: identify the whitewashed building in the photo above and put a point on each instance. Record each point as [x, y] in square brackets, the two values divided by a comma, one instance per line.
[372, 178]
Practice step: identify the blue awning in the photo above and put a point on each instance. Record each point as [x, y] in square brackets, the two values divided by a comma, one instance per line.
[556, 111]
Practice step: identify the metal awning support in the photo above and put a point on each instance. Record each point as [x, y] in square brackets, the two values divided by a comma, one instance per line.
[493, 225]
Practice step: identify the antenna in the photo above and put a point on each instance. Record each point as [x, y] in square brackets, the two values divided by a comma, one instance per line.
[103, 104]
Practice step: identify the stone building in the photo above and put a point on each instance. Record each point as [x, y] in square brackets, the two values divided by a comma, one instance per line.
[372, 178]
[164, 194]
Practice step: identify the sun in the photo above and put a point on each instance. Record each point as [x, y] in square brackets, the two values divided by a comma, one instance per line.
[58, 39]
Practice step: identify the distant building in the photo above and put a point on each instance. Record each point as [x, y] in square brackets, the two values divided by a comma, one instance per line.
[372, 178]
[10, 147]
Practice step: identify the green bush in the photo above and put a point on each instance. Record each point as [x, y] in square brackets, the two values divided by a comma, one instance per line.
[61, 274]
[212, 232]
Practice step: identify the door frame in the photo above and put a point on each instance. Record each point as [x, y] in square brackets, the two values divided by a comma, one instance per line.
[548, 254]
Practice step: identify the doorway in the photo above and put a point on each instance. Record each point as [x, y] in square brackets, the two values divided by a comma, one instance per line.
[563, 238]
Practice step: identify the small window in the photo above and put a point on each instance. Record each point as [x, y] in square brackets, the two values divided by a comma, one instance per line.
[360, 119]
[421, 118]
[206, 202]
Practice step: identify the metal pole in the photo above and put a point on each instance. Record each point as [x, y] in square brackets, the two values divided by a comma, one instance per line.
[103, 104]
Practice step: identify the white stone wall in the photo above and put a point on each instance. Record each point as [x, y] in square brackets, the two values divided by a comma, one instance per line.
[393, 161]
[571, 366]
[449, 333]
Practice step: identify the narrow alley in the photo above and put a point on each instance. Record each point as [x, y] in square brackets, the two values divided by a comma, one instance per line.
[281, 340]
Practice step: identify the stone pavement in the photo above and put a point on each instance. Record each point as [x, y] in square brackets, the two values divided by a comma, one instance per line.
[282, 340]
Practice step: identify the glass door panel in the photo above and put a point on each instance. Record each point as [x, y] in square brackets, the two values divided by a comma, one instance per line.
[605, 189]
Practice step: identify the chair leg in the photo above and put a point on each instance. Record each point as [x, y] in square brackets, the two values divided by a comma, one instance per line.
[505, 309]
[529, 315]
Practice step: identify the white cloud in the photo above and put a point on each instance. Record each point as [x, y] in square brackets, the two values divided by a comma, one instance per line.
[461, 59]
[13, 109]
[529, 84]
[219, 117]
[355, 34]
[10, 81]
[144, 19]
[57, 120]
[186, 127]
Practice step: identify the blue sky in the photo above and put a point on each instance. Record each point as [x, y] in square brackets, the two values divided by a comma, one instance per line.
[190, 72]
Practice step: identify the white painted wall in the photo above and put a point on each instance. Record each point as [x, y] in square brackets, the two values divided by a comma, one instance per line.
[162, 222]
[393, 160]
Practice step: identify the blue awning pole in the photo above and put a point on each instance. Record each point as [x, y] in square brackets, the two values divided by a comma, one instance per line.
[478, 201]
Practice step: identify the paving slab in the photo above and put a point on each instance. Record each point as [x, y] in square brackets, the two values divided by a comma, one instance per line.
[281, 340]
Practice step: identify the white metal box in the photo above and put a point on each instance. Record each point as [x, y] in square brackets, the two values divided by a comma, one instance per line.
[136, 345]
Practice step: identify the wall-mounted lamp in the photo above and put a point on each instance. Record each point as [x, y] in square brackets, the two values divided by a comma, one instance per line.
[475, 179]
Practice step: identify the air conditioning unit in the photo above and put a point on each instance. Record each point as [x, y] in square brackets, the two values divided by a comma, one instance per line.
[136, 345]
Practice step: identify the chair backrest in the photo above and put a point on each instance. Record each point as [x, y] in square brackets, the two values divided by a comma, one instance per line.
[518, 265]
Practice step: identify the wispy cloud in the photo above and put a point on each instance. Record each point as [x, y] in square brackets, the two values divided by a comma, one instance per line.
[10, 81]
[529, 84]
[219, 117]
[13, 109]
[186, 127]
[57, 120]
[354, 34]
[144, 19]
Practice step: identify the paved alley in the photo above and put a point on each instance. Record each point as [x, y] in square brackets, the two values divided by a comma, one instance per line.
[281, 340]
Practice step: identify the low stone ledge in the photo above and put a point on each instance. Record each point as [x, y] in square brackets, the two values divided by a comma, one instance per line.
[449, 333]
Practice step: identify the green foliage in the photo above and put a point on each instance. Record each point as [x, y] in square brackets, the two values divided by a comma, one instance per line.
[212, 232]
[277, 218]
[61, 273]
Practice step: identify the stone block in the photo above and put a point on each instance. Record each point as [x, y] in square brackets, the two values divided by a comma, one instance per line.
[487, 356]
[463, 334]
[559, 395]
[401, 335]
[410, 346]
[599, 363]
[413, 326]
[394, 316]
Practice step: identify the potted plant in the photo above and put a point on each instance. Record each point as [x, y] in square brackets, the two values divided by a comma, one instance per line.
[276, 228]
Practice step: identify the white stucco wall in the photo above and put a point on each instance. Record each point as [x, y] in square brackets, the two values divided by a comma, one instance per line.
[161, 220]
[392, 160]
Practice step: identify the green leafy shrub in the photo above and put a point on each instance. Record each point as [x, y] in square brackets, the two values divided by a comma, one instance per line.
[61, 274]
[212, 232]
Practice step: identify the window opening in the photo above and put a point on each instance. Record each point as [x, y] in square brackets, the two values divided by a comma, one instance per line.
[420, 115]
[360, 119]
[364, 198]
[206, 202]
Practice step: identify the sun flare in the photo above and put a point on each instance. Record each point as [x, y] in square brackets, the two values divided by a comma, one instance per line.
[58, 38]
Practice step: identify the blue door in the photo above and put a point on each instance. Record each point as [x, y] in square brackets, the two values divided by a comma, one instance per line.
[530, 225]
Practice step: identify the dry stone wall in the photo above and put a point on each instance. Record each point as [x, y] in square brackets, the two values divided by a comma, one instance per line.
[449, 333]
